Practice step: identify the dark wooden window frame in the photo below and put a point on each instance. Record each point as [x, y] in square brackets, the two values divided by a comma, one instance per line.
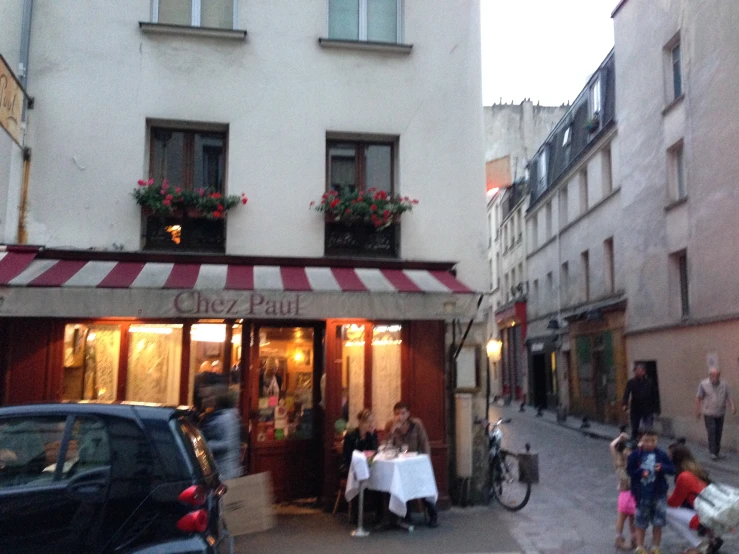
[360, 167]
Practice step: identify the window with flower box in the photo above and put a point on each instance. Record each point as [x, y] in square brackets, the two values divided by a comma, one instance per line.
[361, 167]
[188, 161]
[215, 14]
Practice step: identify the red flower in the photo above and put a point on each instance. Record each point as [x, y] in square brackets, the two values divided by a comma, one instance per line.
[335, 202]
[162, 192]
[165, 184]
[325, 195]
[373, 207]
[167, 202]
[312, 204]
[382, 195]
[216, 195]
[142, 183]
[244, 200]
[348, 211]
[333, 193]
[220, 207]
[386, 213]
[216, 214]
[150, 182]
[414, 202]
[169, 197]
[178, 190]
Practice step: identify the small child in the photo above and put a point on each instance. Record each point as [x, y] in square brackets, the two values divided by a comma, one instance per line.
[620, 448]
[647, 467]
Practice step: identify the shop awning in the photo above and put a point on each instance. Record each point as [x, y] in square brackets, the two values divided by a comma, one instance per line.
[39, 285]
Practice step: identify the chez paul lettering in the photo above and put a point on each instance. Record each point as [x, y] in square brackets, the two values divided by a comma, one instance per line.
[8, 98]
[250, 304]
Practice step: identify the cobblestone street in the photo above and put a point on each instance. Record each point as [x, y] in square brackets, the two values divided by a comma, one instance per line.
[573, 509]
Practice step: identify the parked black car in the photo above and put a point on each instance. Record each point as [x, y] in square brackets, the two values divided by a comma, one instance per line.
[107, 478]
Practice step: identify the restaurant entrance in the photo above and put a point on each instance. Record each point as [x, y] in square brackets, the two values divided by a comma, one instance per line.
[286, 415]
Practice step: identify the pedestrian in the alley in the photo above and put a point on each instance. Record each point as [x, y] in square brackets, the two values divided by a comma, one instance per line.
[621, 448]
[647, 467]
[222, 430]
[644, 396]
[712, 399]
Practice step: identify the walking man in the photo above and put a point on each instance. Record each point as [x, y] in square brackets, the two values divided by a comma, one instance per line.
[644, 400]
[714, 395]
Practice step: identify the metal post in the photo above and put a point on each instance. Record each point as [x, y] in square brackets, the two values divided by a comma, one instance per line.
[360, 531]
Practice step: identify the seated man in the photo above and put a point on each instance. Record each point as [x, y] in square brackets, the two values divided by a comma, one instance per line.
[406, 431]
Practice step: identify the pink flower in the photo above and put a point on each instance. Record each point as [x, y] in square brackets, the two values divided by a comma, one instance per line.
[169, 197]
[312, 204]
[373, 207]
[162, 192]
[386, 213]
[142, 183]
[178, 190]
[167, 202]
[201, 192]
[244, 200]
[150, 182]
[165, 184]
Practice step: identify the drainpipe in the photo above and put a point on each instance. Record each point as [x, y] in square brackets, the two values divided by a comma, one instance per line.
[23, 74]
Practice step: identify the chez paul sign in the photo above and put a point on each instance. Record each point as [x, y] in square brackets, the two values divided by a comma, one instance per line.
[12, 97]
[253, 304]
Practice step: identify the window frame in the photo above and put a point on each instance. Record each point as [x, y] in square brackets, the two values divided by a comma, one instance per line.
[683, 277]
[360, 165]
[585, 263]
[677, 172]
[196, 15]
[676, 76]
[363, 25]
[596, 97]
[190, 131]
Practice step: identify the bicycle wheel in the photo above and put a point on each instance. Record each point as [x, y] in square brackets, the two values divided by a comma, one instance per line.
[509, 490]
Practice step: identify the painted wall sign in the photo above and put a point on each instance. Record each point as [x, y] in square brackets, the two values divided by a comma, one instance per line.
[250, 304]
[11, 102]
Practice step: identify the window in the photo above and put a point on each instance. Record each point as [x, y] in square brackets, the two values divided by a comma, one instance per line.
[585, 263]
[520, 219]
[609, 265]
[513, 281]
[535, 296]
[506, 283]
[564, 279]
[677, 75]
[567, 137]
[542, 170]
[550, 291]
[584, 190]
[154, 358]
[595, 97]
[677, 158]
[534, 231]
[563, 204]
[490, 230]
[607, 171]
[548, 215]
[188, 159]
[497, 269]
[217, 14]
[365, 20]
[680, 260]
[356, 166]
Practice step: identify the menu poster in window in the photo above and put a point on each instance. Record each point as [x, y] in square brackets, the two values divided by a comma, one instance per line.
[272, 376]
[468, 376]
[74, 345]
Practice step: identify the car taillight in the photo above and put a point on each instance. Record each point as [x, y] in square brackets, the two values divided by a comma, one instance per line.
[196, 495]
[194, 522]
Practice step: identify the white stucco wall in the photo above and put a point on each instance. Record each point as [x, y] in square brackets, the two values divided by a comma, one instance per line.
[98, 78]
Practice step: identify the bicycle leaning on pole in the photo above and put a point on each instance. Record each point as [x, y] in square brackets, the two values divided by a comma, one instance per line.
[505, 481]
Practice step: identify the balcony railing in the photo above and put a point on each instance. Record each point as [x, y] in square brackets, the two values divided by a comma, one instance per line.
[185, 234]
[361, 240]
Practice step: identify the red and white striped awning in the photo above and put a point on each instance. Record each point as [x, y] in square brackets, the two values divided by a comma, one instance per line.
[321, 285]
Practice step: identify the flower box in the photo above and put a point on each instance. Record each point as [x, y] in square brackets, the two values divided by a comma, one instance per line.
[166, 200]
[360, 239]
[372, 207]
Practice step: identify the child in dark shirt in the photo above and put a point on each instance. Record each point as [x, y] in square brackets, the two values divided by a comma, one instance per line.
[647, 467]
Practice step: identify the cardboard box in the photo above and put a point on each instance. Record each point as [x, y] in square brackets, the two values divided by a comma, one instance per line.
[248, 506]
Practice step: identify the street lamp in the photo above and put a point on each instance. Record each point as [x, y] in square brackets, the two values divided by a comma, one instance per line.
[494, 347]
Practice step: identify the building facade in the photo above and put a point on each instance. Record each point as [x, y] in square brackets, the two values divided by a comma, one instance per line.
[676, 69]
[513, 133]
[576, 300]
[313, 317]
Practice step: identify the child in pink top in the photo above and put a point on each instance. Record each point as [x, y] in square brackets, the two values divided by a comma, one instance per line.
[620, 449]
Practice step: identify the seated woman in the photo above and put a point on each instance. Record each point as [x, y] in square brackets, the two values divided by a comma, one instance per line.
[364, 437]
[681, 515]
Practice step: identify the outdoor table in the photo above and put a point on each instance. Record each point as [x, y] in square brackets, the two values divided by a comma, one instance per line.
[405, 477]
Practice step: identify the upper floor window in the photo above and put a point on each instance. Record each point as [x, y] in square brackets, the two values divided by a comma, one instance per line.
[542, 170]
[359, 165]
[595, 97]
[216, 14]
[365, 20]
[677, 75]
[678, 187]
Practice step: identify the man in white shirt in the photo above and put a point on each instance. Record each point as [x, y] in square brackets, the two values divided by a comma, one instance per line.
[714, 395]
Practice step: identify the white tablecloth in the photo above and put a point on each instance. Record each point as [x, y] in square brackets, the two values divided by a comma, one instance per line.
[404, 477]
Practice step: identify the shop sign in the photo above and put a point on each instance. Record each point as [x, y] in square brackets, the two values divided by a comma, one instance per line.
[537, 347]
[253, 304]
[11, 102]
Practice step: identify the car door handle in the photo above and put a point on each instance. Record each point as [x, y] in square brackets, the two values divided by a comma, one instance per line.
[90, 485]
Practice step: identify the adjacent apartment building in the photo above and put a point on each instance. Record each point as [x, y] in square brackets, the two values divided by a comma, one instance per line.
[575, 307]
[513, 133]
[314, 316]
[676, 74]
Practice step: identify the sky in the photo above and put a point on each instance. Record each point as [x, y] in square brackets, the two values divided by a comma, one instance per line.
[542, 49]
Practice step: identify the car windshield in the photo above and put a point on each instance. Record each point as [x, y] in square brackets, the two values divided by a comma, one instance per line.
[198, 446]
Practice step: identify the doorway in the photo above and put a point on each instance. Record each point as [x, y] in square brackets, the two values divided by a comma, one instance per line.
[539, 370]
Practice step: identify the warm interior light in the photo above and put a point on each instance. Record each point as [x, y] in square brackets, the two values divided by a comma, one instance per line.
[208, 332]
[152, 330]
[299, 356]
[91, 337]
[494, 347]
[175, 233]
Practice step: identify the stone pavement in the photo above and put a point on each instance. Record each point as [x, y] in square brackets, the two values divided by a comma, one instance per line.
[573, 508]
[477, 530]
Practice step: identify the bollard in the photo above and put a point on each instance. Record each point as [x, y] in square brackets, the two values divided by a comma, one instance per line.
[528, 465]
